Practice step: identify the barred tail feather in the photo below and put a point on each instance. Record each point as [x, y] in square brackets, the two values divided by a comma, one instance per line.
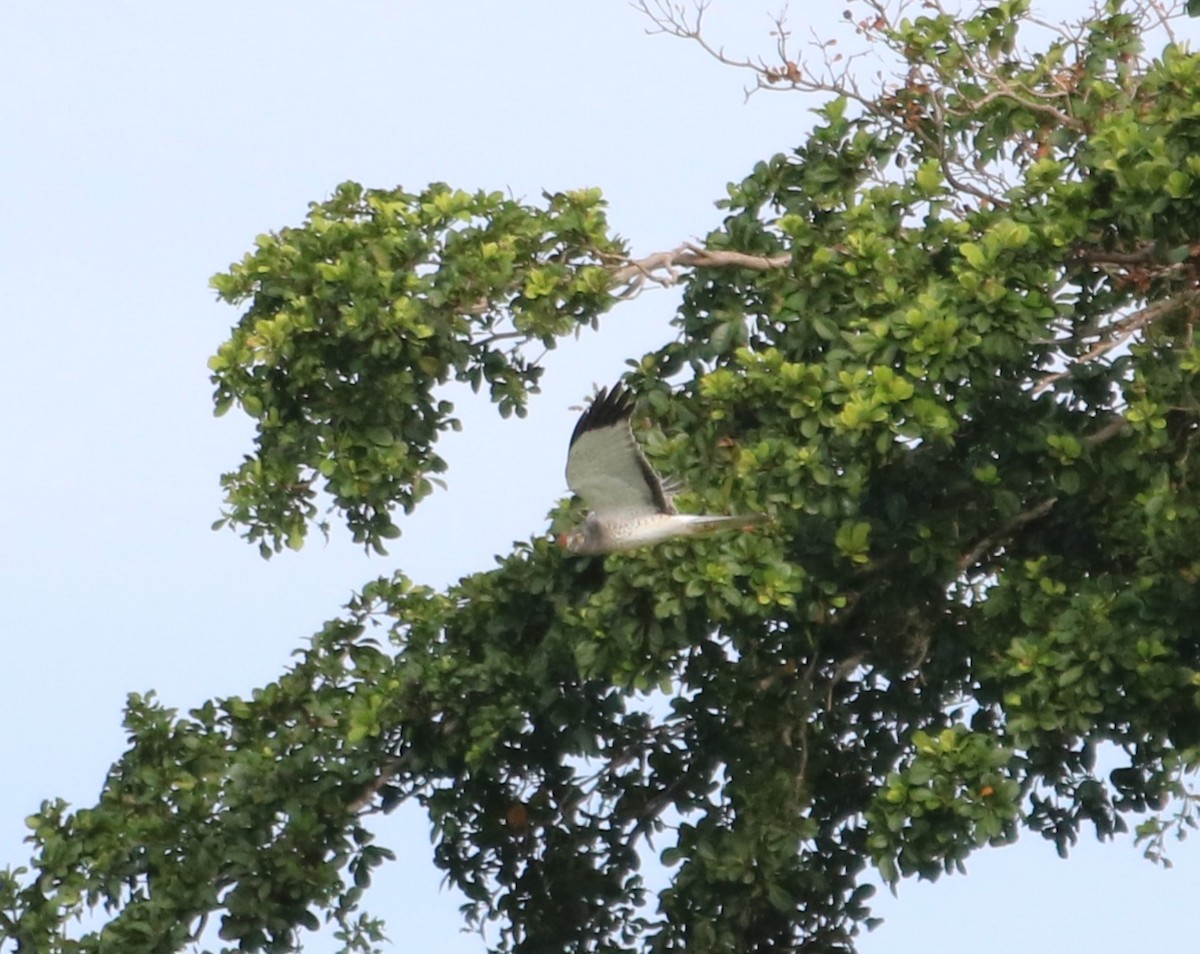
[706, 523]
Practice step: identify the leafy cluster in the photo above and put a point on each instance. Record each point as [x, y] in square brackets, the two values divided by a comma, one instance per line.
[969, 399]
[355, 319]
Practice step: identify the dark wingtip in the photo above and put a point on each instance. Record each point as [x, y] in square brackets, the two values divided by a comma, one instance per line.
[608, 407]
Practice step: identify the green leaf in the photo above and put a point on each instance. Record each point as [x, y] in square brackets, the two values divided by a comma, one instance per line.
[973, 254]
[929, 177]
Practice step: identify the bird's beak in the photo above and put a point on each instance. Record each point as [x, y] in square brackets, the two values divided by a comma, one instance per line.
[563, 540]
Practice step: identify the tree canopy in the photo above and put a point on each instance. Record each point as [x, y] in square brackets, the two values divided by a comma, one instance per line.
[947, 344]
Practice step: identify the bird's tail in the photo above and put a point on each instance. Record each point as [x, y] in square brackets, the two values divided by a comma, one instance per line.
[707, 523]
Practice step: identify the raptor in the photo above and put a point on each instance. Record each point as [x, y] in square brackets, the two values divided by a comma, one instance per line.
[629, 505]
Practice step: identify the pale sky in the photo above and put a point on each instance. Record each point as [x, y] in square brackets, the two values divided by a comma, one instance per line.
[142, 147]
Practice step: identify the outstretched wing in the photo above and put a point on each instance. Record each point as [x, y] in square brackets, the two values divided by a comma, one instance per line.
[606, 467]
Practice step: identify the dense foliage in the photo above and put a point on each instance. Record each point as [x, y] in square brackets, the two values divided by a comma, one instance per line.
[969, 401]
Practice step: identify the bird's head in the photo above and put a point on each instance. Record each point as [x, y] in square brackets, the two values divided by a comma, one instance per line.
[587, 539]
[571, 542]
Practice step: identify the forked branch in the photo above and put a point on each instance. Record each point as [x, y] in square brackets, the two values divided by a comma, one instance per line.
[1116, 335]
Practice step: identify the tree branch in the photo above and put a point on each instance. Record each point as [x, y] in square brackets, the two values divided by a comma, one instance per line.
[388, 771]
[662, 268]
[993, 540]
[672, 20]
[1145, 255]
[1107, 432]
[1119, 333]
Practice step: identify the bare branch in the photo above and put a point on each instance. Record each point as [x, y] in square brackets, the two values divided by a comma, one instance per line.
[1165, 15]
[787, 75]
[938, 147]
[991, 541]
[389, 770]
[1145, 255]
[1117, 334]
[1108, 432]
[662, 268]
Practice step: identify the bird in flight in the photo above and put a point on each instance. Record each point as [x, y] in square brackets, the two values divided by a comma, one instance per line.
[628, 504]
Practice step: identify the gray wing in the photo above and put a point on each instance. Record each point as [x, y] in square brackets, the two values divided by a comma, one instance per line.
[606, 467]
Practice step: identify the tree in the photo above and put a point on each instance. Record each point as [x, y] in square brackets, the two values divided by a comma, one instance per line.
[947, 344]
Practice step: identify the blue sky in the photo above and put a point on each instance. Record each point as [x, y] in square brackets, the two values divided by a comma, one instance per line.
[142, 147]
